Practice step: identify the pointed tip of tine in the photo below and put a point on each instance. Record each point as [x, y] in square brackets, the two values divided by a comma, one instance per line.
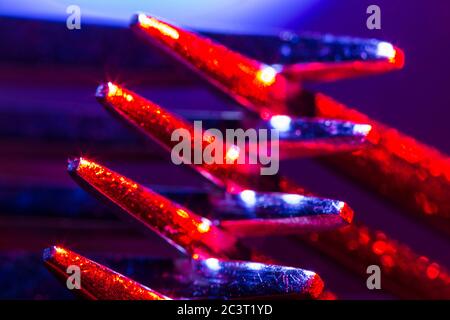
[107, 286]
[73, 164]
[394, 54]
[103, 91]
[399, 58]
[315, 285]
[49, 253]
[134, 21]
[138, 18]
[362, 129]
[141, 19]
[346, 212]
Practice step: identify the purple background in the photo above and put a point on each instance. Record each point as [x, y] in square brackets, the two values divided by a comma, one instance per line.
[414, 100]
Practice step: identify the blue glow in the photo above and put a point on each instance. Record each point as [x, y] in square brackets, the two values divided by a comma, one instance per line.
[255, 266]
[281, 123]
[229, 15]
[292, 199]
[386, 50]
[362, 129]
[213, 264]
[249, 197]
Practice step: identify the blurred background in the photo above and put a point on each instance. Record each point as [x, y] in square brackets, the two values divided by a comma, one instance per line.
[48, 77]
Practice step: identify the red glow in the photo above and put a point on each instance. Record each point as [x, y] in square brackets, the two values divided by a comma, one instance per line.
[364, 237]
[328, 295]
[412, 173]
[316, 286]
[332, 71]
[147, 23]
[347, 213]
[387, 261]
[379, 247]
[433, 271]
[399, 58]
[404, 272]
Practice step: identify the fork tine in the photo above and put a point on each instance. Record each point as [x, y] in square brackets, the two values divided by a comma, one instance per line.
[261, 87]
[316, 57]
[214, 278]
[250, 213]
[200, 279]
[159, 124]
[97, 282]
[306, 137]
[379, 57]
[182, 228]
[254, 84]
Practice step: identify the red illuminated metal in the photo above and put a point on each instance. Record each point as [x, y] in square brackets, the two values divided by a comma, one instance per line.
[193, 279]
[257, 86]
[159, 124]
[185, 230]
[332, 71]
[398, 166]
[97, 282]
[254, 84]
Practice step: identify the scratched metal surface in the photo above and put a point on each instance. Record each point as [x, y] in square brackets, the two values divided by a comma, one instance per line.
[48, 112]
